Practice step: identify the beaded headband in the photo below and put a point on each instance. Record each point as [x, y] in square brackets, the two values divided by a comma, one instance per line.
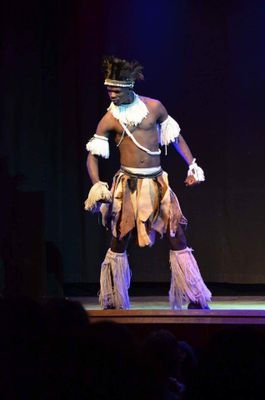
[113, 82]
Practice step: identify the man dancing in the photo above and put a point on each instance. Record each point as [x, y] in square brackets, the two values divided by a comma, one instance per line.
[140, 199]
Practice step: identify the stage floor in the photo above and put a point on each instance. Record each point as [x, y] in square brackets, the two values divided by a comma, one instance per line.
[225, 310]
[196, 326]
[161, 303]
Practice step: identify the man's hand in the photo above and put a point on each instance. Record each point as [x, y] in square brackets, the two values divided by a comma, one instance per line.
[99, 193]
[195, 174]
[191, 181]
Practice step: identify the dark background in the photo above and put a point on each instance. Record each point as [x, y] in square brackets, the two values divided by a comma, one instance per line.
[204, 60]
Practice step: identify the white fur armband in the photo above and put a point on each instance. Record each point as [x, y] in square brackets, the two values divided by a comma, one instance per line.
[196, 171]
[169, 131]
[99, 146]
[98, 193]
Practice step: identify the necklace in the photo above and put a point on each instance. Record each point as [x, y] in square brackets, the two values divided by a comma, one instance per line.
[130, 114]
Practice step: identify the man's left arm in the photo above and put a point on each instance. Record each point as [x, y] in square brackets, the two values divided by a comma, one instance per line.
[195, 173]
[170, 133]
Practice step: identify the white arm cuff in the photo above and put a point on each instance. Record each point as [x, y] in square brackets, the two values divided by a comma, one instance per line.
[196, 171]
[169, 131]
[99, 146]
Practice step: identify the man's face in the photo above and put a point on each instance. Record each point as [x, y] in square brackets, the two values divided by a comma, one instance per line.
[119, 95]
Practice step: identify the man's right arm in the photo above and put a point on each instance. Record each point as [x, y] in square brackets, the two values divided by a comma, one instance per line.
[98, 146]
[92, 168]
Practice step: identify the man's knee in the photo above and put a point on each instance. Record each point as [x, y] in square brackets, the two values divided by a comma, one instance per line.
[179, 241]
[119, 245]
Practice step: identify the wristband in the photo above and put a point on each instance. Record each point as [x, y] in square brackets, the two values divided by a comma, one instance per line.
[196, 171]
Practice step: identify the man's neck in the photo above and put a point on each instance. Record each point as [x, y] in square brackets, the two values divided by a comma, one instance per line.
[131, 97]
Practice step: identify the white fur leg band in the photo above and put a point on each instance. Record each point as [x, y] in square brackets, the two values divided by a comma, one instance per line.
[187, 284]
[115, 280]
[99, 146]
[98, 193]
[196, 171]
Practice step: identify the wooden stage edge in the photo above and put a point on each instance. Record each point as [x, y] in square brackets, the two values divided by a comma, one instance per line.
[186, 317]
[197, 327]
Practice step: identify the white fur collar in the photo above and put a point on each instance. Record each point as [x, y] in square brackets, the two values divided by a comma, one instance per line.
[130, 114]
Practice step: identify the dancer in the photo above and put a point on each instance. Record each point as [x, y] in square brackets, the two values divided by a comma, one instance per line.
[140, 199]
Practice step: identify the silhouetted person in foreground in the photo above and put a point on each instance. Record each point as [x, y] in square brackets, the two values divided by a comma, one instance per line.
[113, 362]
[232, 367]
[160, 366]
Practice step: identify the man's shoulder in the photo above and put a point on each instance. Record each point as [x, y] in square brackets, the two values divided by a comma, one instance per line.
[150, 102]
[107, 117]
[107, 122]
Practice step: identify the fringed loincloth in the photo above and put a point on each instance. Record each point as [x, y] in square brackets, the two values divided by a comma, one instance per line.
[144, 203]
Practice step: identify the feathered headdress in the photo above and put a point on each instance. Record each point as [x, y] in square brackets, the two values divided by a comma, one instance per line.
[121, 73]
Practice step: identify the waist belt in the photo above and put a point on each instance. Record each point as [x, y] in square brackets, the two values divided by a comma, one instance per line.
[141, 176]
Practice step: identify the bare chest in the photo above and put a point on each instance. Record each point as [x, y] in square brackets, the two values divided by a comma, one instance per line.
[146, 131]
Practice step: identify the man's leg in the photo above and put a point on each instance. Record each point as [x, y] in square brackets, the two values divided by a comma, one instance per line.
[187, 285]
[115, 276]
